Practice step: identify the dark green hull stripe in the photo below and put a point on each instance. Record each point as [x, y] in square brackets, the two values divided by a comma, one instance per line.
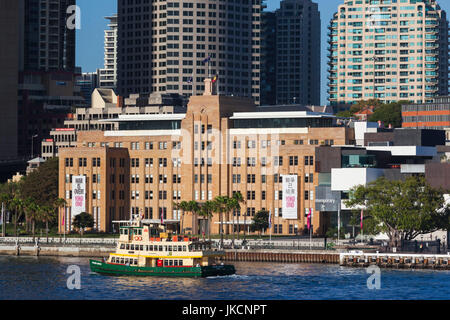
[121, 270]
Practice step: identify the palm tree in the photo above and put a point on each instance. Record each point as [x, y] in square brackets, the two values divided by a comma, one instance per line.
[221, 207]
[235, 206]
[5, 199]
[46, 213]
[34, 212]
[194, 208]
[17, 205]
[206, 211]
[183, 206]
[57, 204]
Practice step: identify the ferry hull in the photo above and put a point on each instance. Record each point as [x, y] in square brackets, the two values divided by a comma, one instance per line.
[189, 272]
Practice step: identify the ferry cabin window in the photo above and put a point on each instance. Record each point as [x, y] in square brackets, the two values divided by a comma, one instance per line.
[175, 263]
[180, 248]
[170, 248]
[122, 246]
[122, 261]
[113, 260]
[180, 263]
[128, 247]
[171, 263]
[132, 247]
[174, 248]
[166, 263]
[160, 248]
[184, 248]
[141, 247]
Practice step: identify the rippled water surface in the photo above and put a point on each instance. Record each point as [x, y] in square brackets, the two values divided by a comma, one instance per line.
[46, 278]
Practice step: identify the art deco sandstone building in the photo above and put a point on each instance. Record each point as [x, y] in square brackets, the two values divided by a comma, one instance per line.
[389, 50]
[219, 146]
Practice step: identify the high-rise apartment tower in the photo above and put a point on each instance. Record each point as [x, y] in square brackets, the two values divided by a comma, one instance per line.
[171, 47]
[388, 50]
[298, 53]
[108, 75]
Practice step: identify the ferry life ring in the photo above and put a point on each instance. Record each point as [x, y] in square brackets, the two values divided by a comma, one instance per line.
[138, 238]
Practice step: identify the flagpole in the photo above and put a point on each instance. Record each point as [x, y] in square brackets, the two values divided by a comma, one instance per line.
[362, 229]
[64, 223]
[3, 219]
[270, 224]
[310, 231]
[339, 222]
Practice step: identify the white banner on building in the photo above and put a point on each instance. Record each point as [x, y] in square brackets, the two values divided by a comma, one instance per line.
[290, 196]
[78, 195]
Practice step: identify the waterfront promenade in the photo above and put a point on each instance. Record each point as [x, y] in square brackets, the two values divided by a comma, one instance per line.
[289, 251]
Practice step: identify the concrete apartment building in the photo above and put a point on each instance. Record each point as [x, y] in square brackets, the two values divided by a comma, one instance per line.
[219, 146]
[47, 88]
[48, 44]
[106, 105]
[9, 66]
[298, 43]
[388, 50]
[164, 46]
[108, 75]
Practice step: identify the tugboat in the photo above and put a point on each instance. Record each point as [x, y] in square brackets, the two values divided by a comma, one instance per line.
[146, 249]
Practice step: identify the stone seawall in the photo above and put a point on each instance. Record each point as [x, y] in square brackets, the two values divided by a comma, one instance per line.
[282, 256]
[67, 251]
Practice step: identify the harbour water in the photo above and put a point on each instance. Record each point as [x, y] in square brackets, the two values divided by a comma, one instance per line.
[42, 278]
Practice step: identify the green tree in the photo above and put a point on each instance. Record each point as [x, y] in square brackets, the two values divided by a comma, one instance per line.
[41, 185]
[221, 207]
[82, 221]
[260, 221]
[345, 114]
[401, 209]
[11, 195]
[206, 211]
[389, 114]
[47, 214]
[58, 204]
[194, 208]
[235, 206]
[33, 211]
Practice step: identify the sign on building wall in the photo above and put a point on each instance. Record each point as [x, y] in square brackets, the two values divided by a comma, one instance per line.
[290, 196]
[326, 199]
[78, 195]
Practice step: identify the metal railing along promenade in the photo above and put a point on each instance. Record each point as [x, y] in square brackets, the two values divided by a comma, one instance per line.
[59, 241]
[315, 244]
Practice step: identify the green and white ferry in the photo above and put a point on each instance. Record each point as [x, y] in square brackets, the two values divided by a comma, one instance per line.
[146, 249]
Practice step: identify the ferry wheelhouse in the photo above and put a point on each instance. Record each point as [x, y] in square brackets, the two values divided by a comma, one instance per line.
[147, 249]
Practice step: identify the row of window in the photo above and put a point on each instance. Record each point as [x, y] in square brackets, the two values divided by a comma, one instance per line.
[277, 161]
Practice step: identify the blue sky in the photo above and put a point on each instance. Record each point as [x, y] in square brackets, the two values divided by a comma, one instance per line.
[90, 37]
